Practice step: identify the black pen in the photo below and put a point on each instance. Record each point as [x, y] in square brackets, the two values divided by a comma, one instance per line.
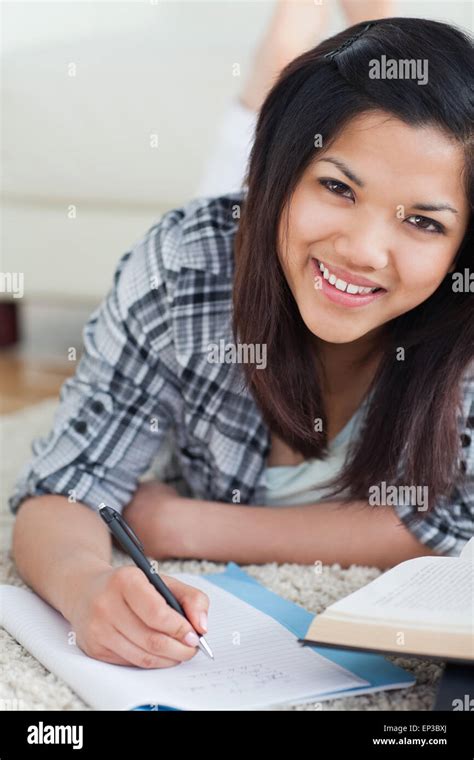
[132, 546]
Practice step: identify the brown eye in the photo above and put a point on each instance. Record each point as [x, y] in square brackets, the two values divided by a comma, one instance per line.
[424, 223]
[337, 188]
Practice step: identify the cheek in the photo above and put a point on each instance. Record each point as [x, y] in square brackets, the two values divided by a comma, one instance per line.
[308, 225]
[420, 271]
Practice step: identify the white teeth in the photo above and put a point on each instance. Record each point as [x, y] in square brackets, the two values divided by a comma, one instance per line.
[342, 284]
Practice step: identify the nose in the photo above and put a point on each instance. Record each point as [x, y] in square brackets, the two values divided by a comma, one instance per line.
[364, 245]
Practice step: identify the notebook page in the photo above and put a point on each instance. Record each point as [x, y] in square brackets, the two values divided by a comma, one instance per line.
[258, 662]
[432, 591]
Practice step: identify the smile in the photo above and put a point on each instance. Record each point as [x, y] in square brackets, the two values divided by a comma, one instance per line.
[341, 291]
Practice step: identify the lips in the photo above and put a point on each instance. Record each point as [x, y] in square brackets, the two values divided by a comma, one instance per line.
[348, 277]
[342, 298]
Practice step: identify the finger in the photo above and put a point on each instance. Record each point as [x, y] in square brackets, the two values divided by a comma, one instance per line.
[113, 658]
[145, 601]
[151, 640]
[194, 602]
[133, 654]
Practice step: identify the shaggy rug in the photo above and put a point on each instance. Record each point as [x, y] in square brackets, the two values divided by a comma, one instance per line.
[24, 679]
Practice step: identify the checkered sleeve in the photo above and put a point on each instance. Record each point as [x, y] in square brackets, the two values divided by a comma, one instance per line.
[450, 524]
[125, 395]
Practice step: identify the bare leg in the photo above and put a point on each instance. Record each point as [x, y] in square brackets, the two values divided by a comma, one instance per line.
[297, 26]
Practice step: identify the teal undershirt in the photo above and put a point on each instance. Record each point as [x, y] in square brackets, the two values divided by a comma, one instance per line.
[303, 483]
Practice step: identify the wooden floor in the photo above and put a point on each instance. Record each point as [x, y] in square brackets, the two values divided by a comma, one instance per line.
[26, 381]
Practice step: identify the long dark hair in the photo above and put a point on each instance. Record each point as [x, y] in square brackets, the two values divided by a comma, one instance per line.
[410, 434]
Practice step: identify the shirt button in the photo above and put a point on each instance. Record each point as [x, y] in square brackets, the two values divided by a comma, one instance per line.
[97, 407]
[465, 440]
[80, 426]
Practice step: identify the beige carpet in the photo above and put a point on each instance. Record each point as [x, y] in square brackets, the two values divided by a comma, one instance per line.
[24, 679]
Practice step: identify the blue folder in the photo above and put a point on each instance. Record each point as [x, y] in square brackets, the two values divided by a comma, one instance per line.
[373, 668]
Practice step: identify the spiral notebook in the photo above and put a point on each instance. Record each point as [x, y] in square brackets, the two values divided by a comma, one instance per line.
[253, 633]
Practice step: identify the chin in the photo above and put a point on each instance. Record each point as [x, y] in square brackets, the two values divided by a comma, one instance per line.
[334, 333]
[335, 337]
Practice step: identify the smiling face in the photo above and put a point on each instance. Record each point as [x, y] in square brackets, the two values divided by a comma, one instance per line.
[365, 209]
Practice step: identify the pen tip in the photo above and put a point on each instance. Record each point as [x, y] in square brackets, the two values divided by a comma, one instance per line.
[206, 647]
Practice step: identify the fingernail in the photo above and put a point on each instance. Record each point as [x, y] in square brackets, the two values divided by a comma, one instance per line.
[203, 620]
[191, 639]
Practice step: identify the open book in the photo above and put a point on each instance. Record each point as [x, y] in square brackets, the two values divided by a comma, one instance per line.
[424, 606]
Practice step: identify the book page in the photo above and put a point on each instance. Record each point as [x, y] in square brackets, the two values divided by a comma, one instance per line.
[424, 592]
[468, 551]
[258, 662]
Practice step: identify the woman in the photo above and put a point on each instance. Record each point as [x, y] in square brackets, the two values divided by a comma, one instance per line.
[309, 344]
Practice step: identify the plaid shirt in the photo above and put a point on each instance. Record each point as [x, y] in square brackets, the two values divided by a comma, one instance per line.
[145, 376]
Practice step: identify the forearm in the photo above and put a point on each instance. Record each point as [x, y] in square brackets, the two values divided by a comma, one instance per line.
[57, 545]
[328, 532]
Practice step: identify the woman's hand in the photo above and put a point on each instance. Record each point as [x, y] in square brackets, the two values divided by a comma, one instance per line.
[163, 520]
[118, 617]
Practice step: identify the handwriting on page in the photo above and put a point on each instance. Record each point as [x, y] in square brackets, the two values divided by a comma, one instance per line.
[238, 680]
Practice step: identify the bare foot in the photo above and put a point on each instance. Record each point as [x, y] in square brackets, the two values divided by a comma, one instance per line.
[365, 10]
[296, 26]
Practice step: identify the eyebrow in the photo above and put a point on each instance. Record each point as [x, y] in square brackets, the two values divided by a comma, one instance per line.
[344, 169]
[354, 178]
[434, 207]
